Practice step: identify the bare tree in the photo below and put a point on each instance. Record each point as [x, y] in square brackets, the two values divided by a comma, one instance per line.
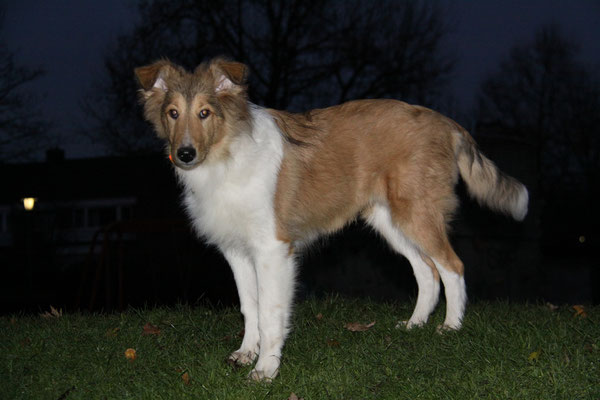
[543, 95]
[577, 149]
[21, 127]
[301, 53]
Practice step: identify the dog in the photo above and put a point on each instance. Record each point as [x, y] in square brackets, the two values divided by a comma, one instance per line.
[261, 184]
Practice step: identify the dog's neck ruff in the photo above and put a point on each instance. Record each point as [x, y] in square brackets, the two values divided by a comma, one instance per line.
[231, 202]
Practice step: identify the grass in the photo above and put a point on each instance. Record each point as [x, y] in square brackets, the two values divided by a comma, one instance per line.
[504, 351]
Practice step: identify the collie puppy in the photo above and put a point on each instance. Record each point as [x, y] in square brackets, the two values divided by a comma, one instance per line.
[261, 183]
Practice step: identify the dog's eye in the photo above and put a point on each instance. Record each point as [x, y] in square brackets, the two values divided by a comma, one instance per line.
[173, 114]
[204, 113]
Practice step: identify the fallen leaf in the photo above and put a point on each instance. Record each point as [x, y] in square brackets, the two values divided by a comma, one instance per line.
[112, 332]
[534, 356]
[358, 327]
[241, 333]
[294, 397]
[185, 377]
[130, 354]
[319, 316]
[590, 347]
[150, 329]
[13, 321]
[580, 311]
[53, 313]
[332, 343]
[226, 338]
[551, 307]
[66, 393]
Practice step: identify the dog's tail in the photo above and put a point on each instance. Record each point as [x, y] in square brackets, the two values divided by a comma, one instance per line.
[486, 183]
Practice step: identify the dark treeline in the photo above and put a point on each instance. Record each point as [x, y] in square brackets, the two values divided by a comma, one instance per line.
[301, 54]
[544, 97]
[22, 130]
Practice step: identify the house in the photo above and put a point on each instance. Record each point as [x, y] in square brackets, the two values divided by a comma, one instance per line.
[96, 225]
[76, 197]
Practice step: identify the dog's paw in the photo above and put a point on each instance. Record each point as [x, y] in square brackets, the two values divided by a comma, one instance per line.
[441, 329]
[402, 325]
[265, 371]
[241, 358]
[260, 376]
[408, 325]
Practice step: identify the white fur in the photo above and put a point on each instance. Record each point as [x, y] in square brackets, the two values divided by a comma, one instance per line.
[160, 84]
[456, 297]
[429, 287]
[224, 84]
[245, 278]
[520, 208]
[231, 204]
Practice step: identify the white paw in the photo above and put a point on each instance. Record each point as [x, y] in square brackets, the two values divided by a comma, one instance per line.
[441, 329]
[265, 371]
[408, 325]
[242, 358]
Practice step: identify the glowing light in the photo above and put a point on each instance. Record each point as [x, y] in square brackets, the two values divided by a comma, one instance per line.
[171, 158]
[581, 239]
[29, 203]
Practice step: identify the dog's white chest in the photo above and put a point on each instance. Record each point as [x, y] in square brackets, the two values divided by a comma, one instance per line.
[231, 203]
[228, 208]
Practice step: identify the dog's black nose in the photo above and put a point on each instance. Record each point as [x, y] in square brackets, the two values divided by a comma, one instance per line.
[186, 154]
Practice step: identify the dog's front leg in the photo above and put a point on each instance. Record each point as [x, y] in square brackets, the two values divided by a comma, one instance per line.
[244, 274]
[275, 272]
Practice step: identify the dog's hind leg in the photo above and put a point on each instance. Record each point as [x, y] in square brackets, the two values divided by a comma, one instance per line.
[425, 226]
[451, 271]
[425, 273]
[244, 274]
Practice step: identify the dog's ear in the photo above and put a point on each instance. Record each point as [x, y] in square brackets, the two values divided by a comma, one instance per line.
[228, 75]
[154, 80]
[154, 76]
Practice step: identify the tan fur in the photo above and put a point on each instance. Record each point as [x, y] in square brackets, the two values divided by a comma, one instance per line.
[339, 161]
[429, 262]
[486, 182]
[364, 152]
[188, 94]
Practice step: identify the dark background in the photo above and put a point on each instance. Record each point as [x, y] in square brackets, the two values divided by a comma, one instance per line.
[107, 230]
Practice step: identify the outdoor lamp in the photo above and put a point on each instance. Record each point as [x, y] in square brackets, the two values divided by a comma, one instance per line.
[29, 203]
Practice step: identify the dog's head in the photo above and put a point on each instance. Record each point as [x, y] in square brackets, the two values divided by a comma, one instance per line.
[197, 113]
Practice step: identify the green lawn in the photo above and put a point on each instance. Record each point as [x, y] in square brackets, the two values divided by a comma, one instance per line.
[504, 351]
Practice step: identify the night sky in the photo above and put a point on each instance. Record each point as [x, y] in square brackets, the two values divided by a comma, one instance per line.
[70, 38]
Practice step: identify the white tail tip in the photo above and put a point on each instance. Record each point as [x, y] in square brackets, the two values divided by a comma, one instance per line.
[520, 207]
